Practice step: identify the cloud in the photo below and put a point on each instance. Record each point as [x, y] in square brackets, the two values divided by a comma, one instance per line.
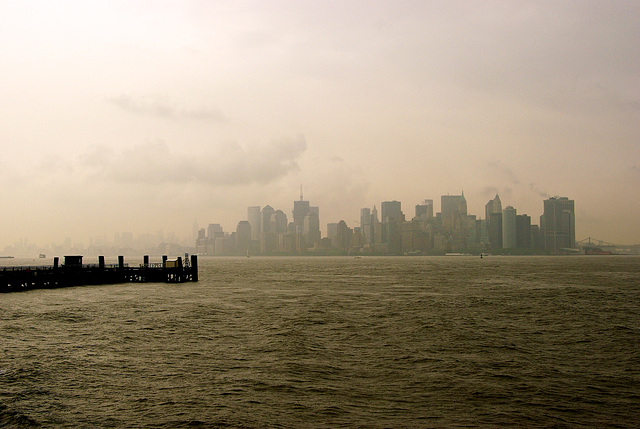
[505, 171]
[490, 191]
[159, 107]
[534, 188]
[231, 165]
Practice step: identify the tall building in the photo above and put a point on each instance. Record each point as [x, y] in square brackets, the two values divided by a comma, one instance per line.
[390, 229]
[300, 209]
[214, 230]
[493, 216]
[523, 231]
[366, 225]
[453, 205]
[558, 224]
[424, 210]
[493, 206]
[332, 232]
[265, 219]
[392, 210]
[278, 222]
[495, 231]
[253, 216]
[509, 228]
[454, 220]
[243, 237]
[343, 236]
[311, 229]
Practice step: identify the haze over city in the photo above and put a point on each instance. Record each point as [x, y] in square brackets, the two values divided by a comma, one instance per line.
[144, 116]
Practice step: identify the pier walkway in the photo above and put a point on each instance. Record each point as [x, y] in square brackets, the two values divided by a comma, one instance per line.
[74, 273]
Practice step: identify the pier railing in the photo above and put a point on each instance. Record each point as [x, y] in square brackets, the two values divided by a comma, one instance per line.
[74, 273]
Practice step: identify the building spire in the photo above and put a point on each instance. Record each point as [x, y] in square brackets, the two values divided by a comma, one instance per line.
[301, 193]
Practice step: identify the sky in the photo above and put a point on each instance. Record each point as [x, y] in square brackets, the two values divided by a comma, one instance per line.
[143, 116]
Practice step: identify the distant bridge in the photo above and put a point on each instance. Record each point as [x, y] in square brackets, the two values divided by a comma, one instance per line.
[594, 243]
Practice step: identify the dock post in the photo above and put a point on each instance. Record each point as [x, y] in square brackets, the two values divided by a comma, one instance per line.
[164, 261]
[146, 260]
[56, 261]
[194, 268]
[121, 262]
[101, 262]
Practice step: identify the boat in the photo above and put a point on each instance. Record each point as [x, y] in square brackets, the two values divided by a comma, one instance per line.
[42, 256]
[596, 251]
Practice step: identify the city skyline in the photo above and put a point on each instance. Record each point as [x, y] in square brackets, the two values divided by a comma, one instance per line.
[453, 220]
[142, 116]
[138, 240]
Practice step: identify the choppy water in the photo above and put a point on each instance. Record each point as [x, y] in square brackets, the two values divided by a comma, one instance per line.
[333, 342]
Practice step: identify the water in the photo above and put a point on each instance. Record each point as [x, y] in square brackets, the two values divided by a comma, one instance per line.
[333, 342]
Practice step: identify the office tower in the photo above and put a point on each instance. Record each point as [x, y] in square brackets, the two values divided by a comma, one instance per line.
[201, 242]
[523, 231]
[311, 229]
[454, 220]
[214, 230]
[558, 224]
[424, 210]
[265, 219]
[509, 228]
[253, 215]
[366, 226]
[300, 210]
[453, 205]
[391, 232]
[278, 222]
[332, 231]
[243, 237]
[495, 231]
[392, 210]
[365, 216]
[343, 236]
[493, 206]
[535, 237]
[493, 216]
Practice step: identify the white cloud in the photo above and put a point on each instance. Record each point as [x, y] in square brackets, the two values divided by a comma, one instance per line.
[156, 164]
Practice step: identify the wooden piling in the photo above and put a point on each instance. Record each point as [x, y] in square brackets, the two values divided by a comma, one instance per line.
[74, 273]
[194, 268]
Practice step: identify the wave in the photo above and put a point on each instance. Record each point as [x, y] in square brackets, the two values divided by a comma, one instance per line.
[14, 419]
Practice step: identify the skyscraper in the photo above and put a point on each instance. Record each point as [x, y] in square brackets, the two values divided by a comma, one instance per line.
[366, 225]
[311, 229]
[265, 219]
[493, 206]
[558, 224]
[392, 210]
[454, 220]
[243, 237]
[523, 231]
[300, 210]
[453, 205]
[493, 216]
[509, 228]
[424, 210]
[253, 215]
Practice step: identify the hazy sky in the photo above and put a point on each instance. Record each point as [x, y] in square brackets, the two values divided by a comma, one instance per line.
[147, 115]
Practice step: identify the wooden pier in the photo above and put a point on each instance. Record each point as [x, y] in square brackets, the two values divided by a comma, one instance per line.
[75, 273]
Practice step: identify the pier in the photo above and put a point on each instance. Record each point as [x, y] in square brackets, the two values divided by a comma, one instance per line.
[74, 273]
